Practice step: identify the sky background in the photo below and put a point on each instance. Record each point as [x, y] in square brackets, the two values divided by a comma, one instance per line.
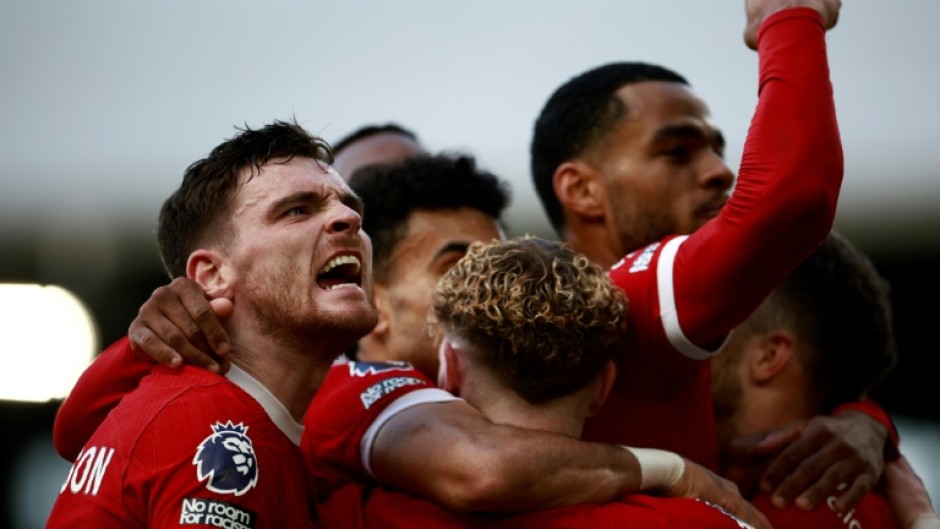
[105, 102]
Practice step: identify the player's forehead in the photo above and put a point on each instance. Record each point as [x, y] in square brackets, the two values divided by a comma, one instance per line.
[433, 235]
[653, 103]
[279, 179]
[659, 115]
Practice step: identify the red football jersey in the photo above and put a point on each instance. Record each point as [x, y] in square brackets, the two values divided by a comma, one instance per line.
[353, 403]
[360, 507]
[190, 448]
[872, 512]
[688, 293]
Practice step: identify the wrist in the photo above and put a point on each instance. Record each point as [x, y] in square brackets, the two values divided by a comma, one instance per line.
[926, 521]
[659, 469]
[878, 414]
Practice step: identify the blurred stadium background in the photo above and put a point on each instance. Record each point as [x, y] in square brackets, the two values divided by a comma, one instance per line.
[104, 103]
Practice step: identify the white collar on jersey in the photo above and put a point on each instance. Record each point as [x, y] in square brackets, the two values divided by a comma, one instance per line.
[275, 410]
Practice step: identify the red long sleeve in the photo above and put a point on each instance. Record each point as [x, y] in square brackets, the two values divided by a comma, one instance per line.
[115, 373]
[784, 202]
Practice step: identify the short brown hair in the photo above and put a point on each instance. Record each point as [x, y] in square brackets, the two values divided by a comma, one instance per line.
[200, 207]
[839, 308]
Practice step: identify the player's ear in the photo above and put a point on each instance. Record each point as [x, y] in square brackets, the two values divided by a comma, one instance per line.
[380, 298]
[373, 347]
[607, 377]
[448, 377]
[207, 268]
[579, 188]
[768, 361]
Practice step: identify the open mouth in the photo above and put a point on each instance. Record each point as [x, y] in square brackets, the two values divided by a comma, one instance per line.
[342, 271]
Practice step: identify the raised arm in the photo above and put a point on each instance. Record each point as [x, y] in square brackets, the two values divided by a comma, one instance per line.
[783, 205]
[785, 198]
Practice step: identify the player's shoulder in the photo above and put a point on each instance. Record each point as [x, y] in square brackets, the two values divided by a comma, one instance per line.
[357, 372]
[197, 404]
[644, 259]
[367, 383]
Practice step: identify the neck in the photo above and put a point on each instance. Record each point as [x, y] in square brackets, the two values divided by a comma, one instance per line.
[565, 415]
[594, 242]
[292, 370]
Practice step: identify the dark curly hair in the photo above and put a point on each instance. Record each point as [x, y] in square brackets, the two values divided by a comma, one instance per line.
[390, 193]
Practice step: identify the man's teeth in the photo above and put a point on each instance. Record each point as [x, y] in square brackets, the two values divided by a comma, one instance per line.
[342, 260]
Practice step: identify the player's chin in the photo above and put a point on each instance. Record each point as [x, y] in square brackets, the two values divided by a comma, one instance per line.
[704, 216]
[362, 321]
[360, 313]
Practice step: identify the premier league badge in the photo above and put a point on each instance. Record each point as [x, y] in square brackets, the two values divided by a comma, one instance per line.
[227, 459]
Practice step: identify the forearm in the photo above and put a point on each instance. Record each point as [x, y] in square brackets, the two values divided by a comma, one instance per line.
[908, 497]
[467, 463]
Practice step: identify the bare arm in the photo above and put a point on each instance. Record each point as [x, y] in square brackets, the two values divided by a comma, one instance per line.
[907, 497]
[451, 453]
[784, 201]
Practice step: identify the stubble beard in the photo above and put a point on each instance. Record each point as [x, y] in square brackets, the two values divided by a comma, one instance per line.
[726, 396]
[639, 226]
[284, 309]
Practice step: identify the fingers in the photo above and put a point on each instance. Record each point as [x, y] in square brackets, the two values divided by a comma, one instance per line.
[807, 492]
[144, 340]
[830, 12]
[851, 497]
[198, 321]
[699, 482]
[732, 501]
[177, 324]
[753, 516]
[817, 466]
[759, 10]
[777, 439]
[167, 345]
[793, 470]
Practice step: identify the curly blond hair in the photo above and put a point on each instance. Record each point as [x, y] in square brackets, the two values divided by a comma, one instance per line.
[541, 317]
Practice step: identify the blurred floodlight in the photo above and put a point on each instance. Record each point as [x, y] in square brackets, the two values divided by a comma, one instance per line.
[47, 338]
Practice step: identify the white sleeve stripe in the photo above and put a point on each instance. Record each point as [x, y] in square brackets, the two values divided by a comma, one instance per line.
[667, 304]
[402, 403]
